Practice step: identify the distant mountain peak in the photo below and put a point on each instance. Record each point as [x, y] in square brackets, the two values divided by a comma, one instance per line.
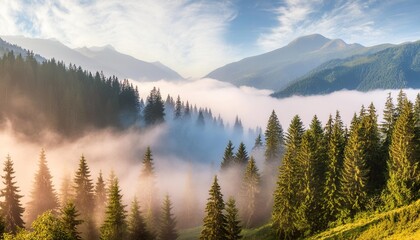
[335, 44]
[309, 43]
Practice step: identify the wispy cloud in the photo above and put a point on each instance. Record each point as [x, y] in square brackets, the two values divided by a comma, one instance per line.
[185, 35]
[353, 21]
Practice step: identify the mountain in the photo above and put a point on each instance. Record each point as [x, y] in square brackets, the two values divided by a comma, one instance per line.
[105, 59]
[393, 68]
[276, 69]
[6, 47]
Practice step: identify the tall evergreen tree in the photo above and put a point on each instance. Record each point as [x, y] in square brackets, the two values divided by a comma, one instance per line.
[251, 186]
[200, 119]
[403, 164]
[154, 112]
[214, 227]
[228, 156]
[238, 129]
[136, 224]
[148, 191]
[335, 155]
[84, 198]
[354, 175]
[11, 207]
[114, 226]
[258, 144]
[167, 223]
[69, 215]
[43, 196]
[241, 156]
[66, 190]
[273, 138]
[100, 198]
[233, 227]
[178, 108]
[402, 97]
[286, 201]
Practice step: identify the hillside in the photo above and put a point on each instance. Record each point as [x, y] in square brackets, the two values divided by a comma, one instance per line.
[393, 68]
[105, 59]
[6, 47]
[276, 69]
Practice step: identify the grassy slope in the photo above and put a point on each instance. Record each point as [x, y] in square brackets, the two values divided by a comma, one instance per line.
[401, 223]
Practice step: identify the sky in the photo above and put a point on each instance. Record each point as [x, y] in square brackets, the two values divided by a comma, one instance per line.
[194, 37]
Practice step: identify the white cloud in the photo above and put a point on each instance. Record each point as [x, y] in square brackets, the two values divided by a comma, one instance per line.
[353, 21]
[185, 35]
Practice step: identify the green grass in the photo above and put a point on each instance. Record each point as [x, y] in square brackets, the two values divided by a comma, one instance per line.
[400, 223]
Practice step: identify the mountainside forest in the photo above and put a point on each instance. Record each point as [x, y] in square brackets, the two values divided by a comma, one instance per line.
[393, 68]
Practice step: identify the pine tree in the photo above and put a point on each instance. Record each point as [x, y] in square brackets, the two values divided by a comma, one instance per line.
[100, 198]
[200, 119]
[273, 138]
[66, 191]
[214, 227]
[84, 198]
[258, 142]
[241, 156]
[228, 156]
[178, 108]
[285, 216]
[335, 155]
[238, 129]
[11, 207]
[403, 180]
[148, 192]
[233, 227]
[154, 112]
[43, 196]
[114, 226]
[69, 215]
[402, 97]
[167, 224]
[250, 189]
[136, 224]
[354, 175]
[187, 111]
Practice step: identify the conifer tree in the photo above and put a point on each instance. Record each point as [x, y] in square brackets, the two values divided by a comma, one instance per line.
[417, 113]
[100, 197]
[238, 129]
[335, 156]
[66, 190]
[136, 224]
[187, 111]
[258, 142]
[69, 215]
[11, 207]
[241, 156]
[228, 156]
[167, 223]
[200, 119]
[354, 175]
[214, 227]
[402, 97]
[286, 199]
[154, 112]
[233, 227]
[273, 138]
[403, 180]
[43, 196]
[148, 192]
[178, 108]
[84, 198]
[114, 226]
[249, 192]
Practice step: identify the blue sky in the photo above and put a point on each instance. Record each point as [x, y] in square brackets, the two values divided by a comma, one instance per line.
[195, 36]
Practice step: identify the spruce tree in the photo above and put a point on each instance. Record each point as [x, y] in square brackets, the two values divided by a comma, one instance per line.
[43, 196]
[69, 215]
[84, 198]
[251, 187]
[136, 224]
[335, 154]
[403, 180]
[154, 112]
[167, 224]
[148, 192]
[228, 156]
[241, 156]
[402, 97]
[273, 138]
[114, 226]
[66, 190]
[214, 227]
[100, 198]
[178, 108]
[238, 129]
[11, 207]
[233, 226]
[354, 174]
[258, 142]
[200, 119]
[286, 198]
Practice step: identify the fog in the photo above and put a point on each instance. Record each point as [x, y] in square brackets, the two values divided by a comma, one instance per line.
[179, 153]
